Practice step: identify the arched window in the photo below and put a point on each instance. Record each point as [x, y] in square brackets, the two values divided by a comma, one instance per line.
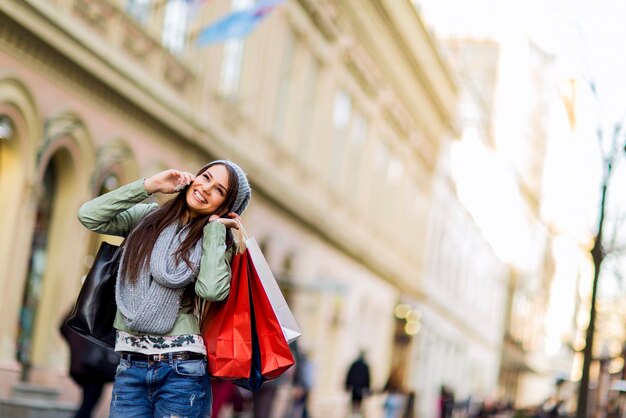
[36, 270]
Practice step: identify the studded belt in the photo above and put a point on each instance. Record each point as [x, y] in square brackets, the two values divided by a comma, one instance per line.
[155, 358]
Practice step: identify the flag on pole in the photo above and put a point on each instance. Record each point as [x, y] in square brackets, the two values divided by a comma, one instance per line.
[236, 24]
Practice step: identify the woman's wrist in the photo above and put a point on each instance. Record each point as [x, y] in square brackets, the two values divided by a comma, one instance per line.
[149, 185]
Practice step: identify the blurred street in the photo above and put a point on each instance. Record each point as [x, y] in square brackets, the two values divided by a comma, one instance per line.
[435, 187]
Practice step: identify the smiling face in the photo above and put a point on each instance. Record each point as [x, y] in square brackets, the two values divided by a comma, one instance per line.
[207, 193]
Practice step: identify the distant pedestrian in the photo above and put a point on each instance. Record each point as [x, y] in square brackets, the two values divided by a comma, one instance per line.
[488, 408]
[303, 380]
[409, 409]
[225, 393]
[263, 399]
[358, 382]
[446, 402]
[91, 367]
[395, 401]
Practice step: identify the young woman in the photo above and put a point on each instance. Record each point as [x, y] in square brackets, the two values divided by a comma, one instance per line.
[172, 255]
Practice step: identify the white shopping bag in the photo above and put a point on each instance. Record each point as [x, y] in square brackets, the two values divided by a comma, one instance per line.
[279, 304]
[282, 311]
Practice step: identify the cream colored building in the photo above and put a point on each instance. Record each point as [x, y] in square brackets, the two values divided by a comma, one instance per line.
[336, 109]
[508, 105]
[464, 316]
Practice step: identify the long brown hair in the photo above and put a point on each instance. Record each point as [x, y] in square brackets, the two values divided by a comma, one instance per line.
[140, 242]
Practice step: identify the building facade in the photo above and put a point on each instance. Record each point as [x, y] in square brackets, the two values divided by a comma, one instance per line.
[460, 346]
[336, 109]
[507, 108]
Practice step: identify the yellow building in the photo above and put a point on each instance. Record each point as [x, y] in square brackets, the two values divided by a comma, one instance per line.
[336, 109]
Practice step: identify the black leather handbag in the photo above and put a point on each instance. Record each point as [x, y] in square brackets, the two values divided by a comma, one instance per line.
[89, 362]
[95, 308]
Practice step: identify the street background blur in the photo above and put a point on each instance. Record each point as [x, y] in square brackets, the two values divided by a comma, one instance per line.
[429, 181]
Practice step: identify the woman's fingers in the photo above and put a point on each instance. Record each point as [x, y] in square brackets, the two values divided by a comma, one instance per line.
[180, 179]
[188, 177]
[229, 223]
[232, 220]
[168, 181]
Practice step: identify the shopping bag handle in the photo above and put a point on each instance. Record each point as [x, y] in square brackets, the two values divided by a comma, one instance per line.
[242, 236]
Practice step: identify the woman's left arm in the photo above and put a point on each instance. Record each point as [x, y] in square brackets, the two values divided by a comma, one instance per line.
[213, 281]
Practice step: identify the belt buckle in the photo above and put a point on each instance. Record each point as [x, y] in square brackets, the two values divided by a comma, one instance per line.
[157, 358]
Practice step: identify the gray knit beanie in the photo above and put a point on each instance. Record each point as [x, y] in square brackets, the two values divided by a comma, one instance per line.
[244, 193]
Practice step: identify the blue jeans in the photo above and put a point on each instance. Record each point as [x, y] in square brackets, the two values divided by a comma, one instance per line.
[175, 388]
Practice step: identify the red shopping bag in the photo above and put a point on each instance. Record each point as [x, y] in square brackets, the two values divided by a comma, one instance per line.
[227, 327]
[276, 356]
[243, 337]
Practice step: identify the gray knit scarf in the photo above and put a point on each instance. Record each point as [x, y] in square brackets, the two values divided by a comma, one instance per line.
[151, 304]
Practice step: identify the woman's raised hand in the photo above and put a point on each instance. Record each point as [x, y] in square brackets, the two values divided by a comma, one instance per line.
[168, 181]
[232, 221]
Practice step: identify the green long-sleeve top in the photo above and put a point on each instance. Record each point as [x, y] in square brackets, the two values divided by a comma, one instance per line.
[117, 212]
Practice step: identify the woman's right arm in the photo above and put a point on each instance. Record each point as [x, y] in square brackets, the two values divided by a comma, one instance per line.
[116, 212]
